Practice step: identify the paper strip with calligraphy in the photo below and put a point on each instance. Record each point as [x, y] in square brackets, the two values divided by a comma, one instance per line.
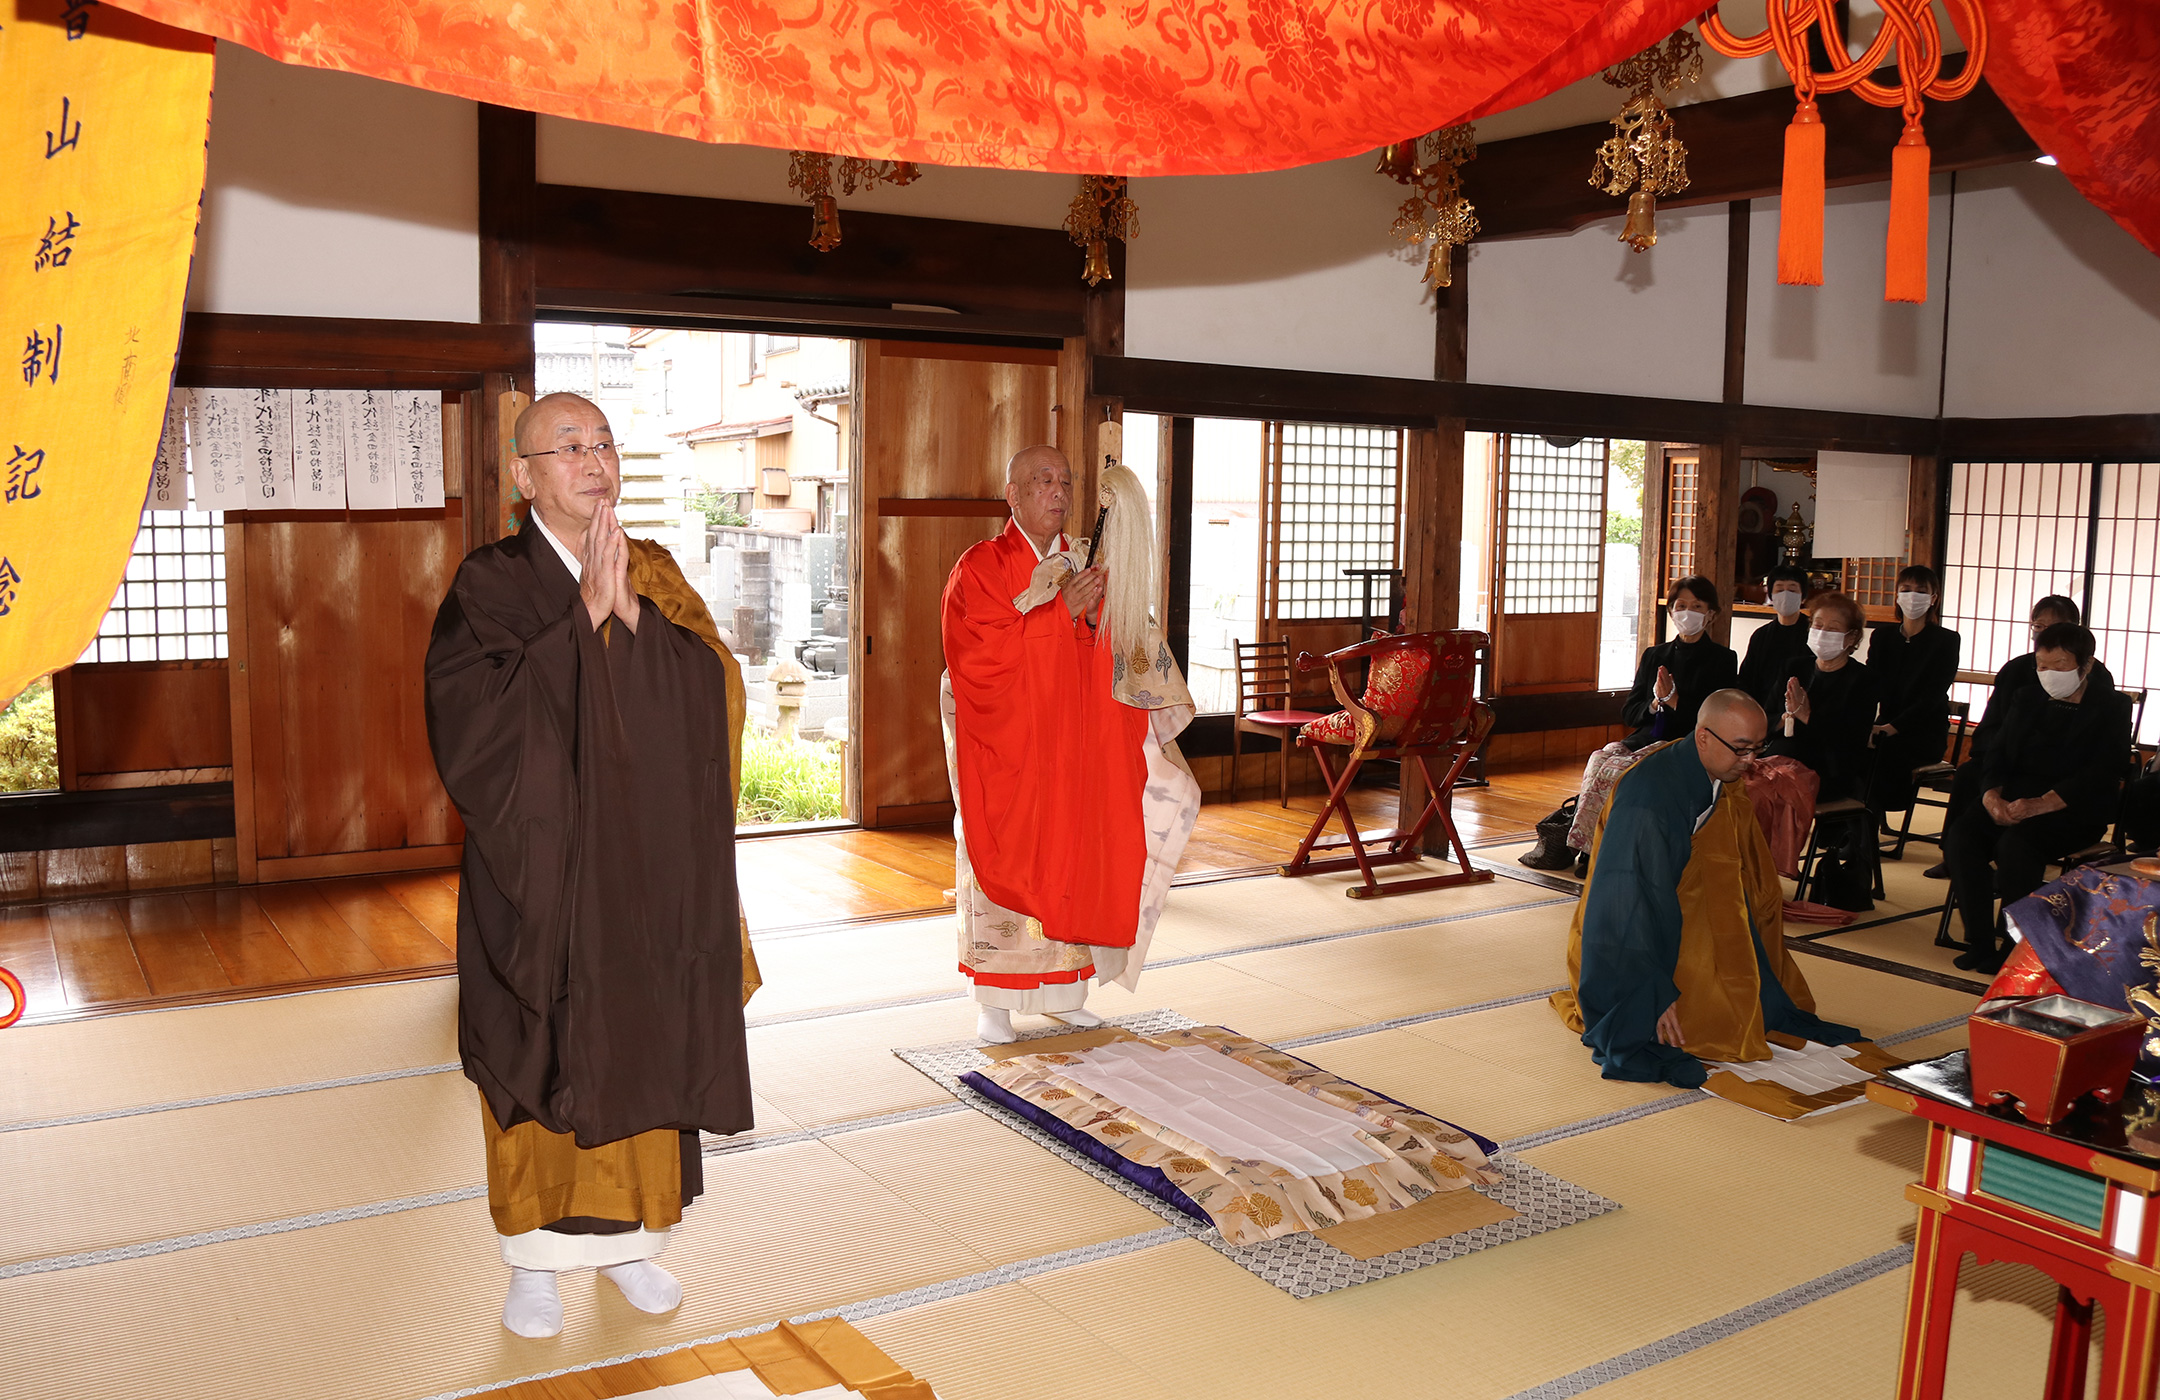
[103, 118]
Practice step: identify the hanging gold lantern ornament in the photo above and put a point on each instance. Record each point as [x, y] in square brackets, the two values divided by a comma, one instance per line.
[810, 174]
[1436, 212]
[1909, 26]
[1644, 152]
[1100, 212]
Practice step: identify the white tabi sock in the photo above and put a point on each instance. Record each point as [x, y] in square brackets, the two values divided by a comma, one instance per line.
[534, 1308]
[647, 1286]
[993, 1025]
[1078, 1016]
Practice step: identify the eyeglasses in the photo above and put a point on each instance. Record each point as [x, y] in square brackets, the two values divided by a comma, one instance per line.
[1738, 750]
[575, 453]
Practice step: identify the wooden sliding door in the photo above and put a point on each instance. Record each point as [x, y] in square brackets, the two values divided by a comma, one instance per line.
[937, 424]
[1548, 563]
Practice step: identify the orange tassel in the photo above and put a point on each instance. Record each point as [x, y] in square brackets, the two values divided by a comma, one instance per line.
[1905, 273]
[1800, 215]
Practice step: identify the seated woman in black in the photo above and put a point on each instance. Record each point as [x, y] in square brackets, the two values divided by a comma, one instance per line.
[1671, 683]
[2048, 787]
[1818, 747]
[1778, 643]
[1675, 677]
[1914, 663]
[1830, 702]
[2017, 674]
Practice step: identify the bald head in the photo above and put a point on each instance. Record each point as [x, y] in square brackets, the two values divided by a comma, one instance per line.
[566, 462]
[1729, 732]
[1039, 488]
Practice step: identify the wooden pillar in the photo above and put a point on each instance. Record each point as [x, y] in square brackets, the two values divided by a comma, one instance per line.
[1738, 226]
[1177, 473]
[1717, 525]
[509, 185]
[1079, 410]
[1924, 512]
[1433, 505]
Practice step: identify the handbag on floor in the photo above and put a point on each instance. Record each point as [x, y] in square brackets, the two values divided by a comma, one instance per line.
[1842, 883]
[1552, 851]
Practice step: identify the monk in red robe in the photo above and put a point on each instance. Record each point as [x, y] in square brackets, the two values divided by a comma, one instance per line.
[1073, 803]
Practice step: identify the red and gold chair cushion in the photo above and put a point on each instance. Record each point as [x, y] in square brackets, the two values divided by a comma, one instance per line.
[1393, 692]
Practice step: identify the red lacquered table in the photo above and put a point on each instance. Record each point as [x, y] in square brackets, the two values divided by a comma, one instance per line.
[2075, 1202]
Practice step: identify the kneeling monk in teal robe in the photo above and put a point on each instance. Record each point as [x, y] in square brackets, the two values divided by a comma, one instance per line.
[1677, 954]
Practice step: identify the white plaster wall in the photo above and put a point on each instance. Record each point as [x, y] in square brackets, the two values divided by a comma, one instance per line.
[2054, 309]
[1293, 269]
[1840, 345]
[616, 158]
[335, 195]
[1585, 311]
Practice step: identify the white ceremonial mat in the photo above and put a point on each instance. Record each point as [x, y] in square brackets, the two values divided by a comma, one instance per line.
[1302, 1265]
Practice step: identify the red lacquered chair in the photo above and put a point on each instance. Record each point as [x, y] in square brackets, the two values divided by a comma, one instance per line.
[1420, 704]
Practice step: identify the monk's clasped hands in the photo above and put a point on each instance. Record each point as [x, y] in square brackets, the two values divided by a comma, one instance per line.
[604, 581]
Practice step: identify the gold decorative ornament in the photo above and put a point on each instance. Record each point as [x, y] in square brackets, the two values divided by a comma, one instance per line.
[1100, 212]
[810, 173]
[1644, 152]
[1436, 212]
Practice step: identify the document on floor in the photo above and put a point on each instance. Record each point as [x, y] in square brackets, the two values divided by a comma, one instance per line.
[1801, 1079]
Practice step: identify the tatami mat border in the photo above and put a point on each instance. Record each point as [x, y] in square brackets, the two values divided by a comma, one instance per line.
[272, 1092]
[753, 1023]
[1018, 1272]
[1718, 1329]
[1895, 969]
[960, 993]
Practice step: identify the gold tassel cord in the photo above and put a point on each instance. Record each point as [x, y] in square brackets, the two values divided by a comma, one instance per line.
[1644, 154]
[1102, 211]
[810, 174]
[1436, 212]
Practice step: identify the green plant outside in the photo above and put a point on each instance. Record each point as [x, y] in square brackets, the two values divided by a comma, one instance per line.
[29, 742]
[788, 781]
[717, 511]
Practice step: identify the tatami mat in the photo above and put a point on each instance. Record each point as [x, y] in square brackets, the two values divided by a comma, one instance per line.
[1847, 1344]
[109, 1062]
[1720, 1207]
[407, 1305]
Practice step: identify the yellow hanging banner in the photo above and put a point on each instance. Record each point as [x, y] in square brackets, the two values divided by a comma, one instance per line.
[103, 120]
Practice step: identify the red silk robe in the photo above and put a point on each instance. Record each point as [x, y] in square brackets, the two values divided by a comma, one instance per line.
[1049, 768]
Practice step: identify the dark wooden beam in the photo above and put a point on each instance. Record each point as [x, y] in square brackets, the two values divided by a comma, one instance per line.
[1738, 224]
[244, 352]
[714, 256]
[2133, 435]
[1736, 150]
[1236, 391]
[116, 817]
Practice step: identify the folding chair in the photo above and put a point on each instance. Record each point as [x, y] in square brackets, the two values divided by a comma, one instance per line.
[1935, 777]
[1263, 705]
[1835, 809]
[1448, 722]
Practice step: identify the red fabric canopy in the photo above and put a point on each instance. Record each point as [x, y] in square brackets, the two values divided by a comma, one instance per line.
[2084, 78]
[1129, 87]
[1122, 87]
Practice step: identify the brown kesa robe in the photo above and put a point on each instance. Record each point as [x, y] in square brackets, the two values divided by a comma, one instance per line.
[600, 949]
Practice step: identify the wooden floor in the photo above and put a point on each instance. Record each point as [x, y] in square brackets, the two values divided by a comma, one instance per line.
[89, 956]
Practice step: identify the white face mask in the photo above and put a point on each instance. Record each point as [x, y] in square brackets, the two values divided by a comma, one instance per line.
[1914, 605]
[2060, 685]
[1785, 602]
[1688, 624]
[1827, 646]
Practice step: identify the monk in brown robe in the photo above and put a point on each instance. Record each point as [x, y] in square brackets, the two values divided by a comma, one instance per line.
[587, 722]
